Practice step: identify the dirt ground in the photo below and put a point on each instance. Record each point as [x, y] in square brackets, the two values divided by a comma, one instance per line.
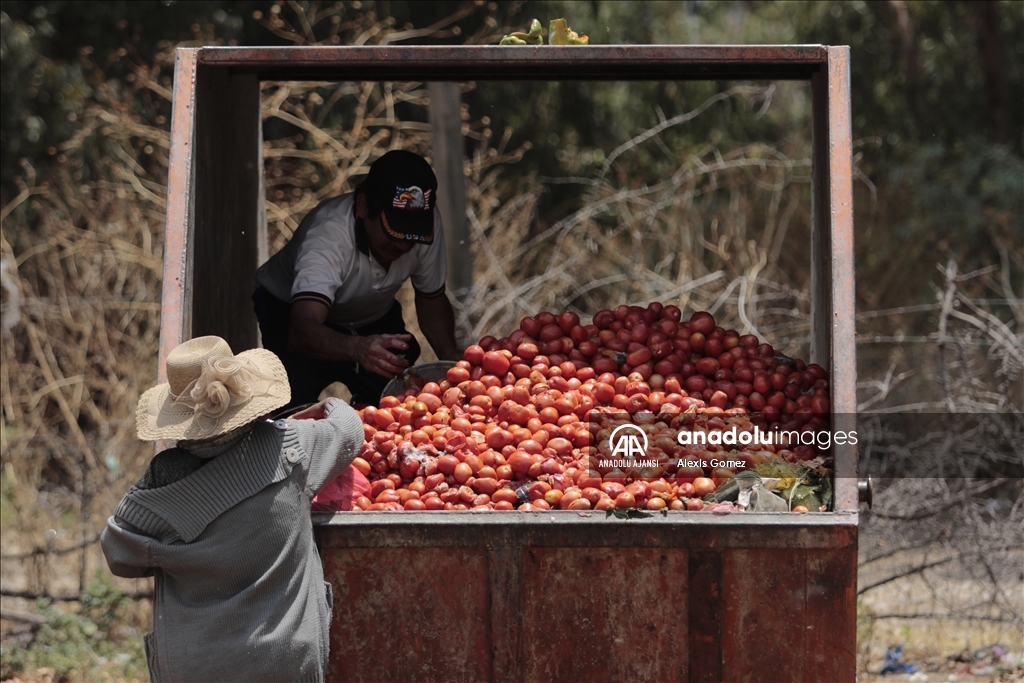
[934, 644]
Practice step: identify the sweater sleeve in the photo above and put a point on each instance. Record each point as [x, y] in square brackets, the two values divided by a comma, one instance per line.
[332, 443]
[128, 552]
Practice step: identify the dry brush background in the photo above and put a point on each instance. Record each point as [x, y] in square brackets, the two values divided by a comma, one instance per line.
[726, 231]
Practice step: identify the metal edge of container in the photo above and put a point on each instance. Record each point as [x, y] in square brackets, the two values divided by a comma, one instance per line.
[492, 62]
[583, 517]
[571, 529]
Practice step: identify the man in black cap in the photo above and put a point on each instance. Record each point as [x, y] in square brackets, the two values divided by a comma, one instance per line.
[326, 302]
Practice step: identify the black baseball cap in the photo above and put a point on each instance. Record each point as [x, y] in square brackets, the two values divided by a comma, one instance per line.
[404, 187]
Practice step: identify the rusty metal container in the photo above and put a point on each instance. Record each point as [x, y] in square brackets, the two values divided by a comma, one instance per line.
[552, 596]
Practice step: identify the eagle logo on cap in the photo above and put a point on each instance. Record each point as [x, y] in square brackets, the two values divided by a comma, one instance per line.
[411, 199]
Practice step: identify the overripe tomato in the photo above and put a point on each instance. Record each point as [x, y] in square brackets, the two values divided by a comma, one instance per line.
[702, 486]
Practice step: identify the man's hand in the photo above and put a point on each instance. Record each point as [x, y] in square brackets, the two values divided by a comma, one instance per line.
[374, 353]
[308, 335]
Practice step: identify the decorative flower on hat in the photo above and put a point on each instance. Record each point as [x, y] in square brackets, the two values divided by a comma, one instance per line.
[223, 383]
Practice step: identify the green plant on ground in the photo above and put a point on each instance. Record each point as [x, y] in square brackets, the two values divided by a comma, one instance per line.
[91, 644]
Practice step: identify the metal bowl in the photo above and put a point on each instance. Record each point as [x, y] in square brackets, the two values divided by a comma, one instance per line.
[434, 371]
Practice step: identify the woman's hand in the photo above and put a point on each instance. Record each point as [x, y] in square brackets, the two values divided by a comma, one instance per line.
[317, 411]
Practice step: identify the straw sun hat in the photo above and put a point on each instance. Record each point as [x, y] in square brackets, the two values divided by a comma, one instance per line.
[210, 391]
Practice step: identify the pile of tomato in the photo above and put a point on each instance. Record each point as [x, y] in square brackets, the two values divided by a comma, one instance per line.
[522, 422]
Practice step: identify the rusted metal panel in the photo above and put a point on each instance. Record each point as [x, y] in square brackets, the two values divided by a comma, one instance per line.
[601, 614]
[176, 297]
[842, 324]
[833, 311]
[764, 608]
[705, 612]
[409, 615]
[831, 615]
[789, 616]
[507, 614]
[531, 599]
[492, 62]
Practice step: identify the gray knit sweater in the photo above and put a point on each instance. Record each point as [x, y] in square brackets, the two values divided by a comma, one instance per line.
[239, 593]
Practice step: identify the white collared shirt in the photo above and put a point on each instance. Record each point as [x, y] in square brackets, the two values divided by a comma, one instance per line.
[324, 262]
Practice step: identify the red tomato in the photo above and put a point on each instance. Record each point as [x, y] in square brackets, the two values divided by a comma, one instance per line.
[568, 320]
[433, 503]
[380, 485]
[485, 485]
[713, 347]
[527, 351]
[579, 504]
[446, 464]
[362, 465]
[641, 355]
[707, 366]
[639, 332]
[520, 462]
[495, 363]
[506, 495]
[695, 385]
[742, 374]
[672, 313]
[474, 354]
[530, 326]
[757, 401]
[550, 333]
[702, 322]
[456, 375]
[602, 319]
[625, 500]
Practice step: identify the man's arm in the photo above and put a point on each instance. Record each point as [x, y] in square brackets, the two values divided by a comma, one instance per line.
[308, 335]
[437, 321]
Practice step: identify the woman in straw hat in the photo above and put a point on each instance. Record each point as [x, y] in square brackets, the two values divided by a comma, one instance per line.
[222, 520]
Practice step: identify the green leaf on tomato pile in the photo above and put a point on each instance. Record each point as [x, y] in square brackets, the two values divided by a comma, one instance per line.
[626, 513]
[809, 484]
[803, 494]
